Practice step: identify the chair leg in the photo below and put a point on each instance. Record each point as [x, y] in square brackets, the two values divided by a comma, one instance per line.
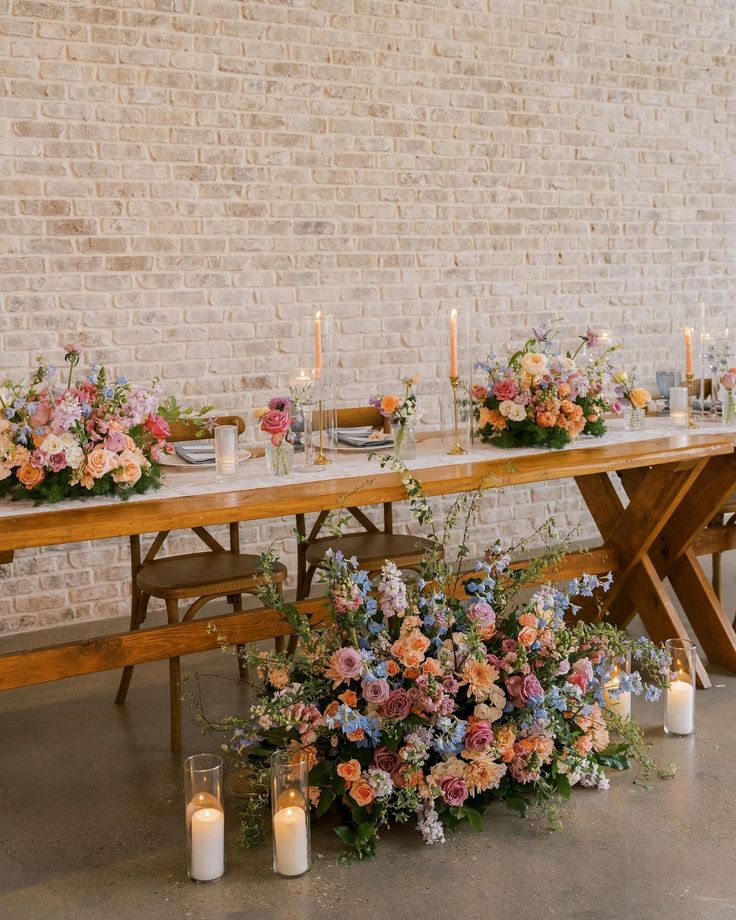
[172, 613]
[237, 603]
[136, 618]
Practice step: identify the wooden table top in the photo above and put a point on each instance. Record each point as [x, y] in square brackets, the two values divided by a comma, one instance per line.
[196, 499]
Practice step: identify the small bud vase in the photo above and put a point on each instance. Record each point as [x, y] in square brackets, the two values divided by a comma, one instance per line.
[405, 442]
[634, 418]
[279, 458]
[728, 407]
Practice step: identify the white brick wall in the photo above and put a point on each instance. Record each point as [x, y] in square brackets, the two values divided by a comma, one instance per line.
[182, 180]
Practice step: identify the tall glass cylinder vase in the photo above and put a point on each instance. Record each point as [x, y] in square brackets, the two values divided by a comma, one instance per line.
[616, 691]
[457, 405]
[205, 817]
[679, 707]
[319, 345]
[290, 813]
[226, 451]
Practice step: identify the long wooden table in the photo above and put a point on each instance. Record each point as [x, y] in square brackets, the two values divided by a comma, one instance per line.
[675, 484]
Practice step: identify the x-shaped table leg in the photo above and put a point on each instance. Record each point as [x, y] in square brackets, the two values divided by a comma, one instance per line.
[634, 530]
[673, 557]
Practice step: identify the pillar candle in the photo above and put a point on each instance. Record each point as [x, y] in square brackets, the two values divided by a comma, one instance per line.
[688, 350]
[680, 707]
[291, 841]
[208, 844]
[621, 704]
[453, 344]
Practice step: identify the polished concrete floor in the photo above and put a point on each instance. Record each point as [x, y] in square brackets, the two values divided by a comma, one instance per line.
[91, 827]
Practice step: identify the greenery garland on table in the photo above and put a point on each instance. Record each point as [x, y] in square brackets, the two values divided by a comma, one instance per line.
[431, 699]
[539, 397]
[96, 436]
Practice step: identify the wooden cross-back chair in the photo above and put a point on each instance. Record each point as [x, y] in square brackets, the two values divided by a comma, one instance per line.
[217, 572]
[726, 517]
[372, 545]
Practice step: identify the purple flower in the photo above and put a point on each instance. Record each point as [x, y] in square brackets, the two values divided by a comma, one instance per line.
[280, 404]
[397, 706]
[482, 614]
[524, 688]
[591, 338]
[454, 791]
[375, 691]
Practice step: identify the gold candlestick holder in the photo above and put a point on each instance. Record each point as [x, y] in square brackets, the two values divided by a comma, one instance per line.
[456, 450]
[320, 459]
[690, 381]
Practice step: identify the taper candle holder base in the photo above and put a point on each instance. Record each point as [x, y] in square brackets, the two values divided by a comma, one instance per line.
[690, 381]
[456, 450]
[320, 459]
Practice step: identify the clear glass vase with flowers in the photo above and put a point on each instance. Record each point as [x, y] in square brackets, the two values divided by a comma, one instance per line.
[728, 397]
[275, 419]
[634, 400]
[400, 412]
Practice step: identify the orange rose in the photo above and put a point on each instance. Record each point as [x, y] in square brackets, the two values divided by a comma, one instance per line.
[546, 419]
[640, 397]
[129, 473]
[357, 735]
[389, 404]
[362, 793]
[527, 619]
[349, 697]
[527, 636]
[392, 669]
[349, 770]
[30, 475]
[412, 673]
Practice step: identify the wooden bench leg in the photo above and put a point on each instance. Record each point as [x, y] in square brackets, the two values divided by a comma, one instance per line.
[172, 612]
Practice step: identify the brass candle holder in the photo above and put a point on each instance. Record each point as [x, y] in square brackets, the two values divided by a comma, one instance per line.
[690, 382]
[456, 450]
[320, 459]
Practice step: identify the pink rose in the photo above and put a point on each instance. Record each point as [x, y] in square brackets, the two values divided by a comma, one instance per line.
[348, 662]
[524, 688]
[505, 389]
[582, 674]
[386, 760]
[728, 380]
[42, 415]
[276, 422]
[158, 427]
[375, 691]
[397, 706]
[508, 646]
[37, 459]
[57, 461]
[454, 791]
[479, 737]
[482, 614]
[479, 392]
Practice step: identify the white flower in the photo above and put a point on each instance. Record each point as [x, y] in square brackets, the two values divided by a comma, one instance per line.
[52, 444]
[534, 363]
[512, 410]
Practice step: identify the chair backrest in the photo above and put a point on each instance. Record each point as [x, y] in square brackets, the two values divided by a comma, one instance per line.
[351, 417]
[187, 431]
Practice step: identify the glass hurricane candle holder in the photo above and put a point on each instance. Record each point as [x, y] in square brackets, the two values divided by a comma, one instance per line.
[290, 813]
[616, 690]
[679, 403]
[205, 817]
[319, 345]
[226, 450]
[679, 706]
[459, 419]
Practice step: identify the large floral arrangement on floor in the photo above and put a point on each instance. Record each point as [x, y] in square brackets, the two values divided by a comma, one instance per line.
[61, 438]
[430, 699]
[541, 396]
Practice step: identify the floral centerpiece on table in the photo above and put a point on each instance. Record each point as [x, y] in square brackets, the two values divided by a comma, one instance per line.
[399, 411]
[628, 393]
[540, 397]
[727, 381]
[275, 420]
[61, 438]
[428, 700]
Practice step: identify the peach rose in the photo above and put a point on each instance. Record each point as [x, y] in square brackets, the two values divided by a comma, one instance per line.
[128, 473]
[100, 462]
[527, 636]
[389, 404]
[640, 397]
[362, 793]
[349, 770]
[30, 475]
[546, 419]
